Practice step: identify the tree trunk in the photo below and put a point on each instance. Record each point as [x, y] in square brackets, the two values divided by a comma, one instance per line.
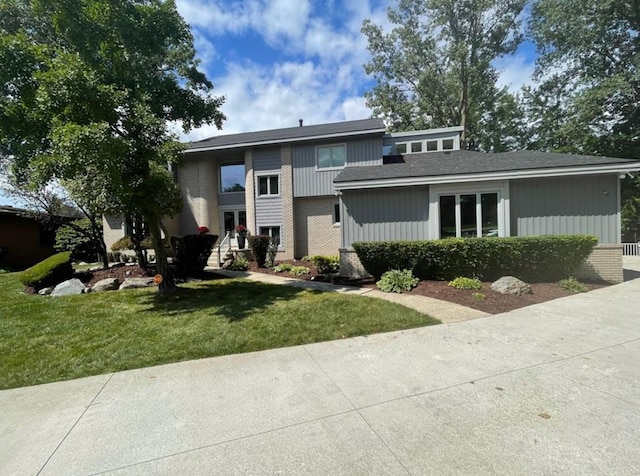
[167, 284]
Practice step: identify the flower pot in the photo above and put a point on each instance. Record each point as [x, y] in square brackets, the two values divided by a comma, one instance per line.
[241, 240]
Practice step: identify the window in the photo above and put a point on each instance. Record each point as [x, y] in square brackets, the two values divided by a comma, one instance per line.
[331, 157]
[232, 178]
[268, 185]
[401, 148]
[432, 145]
[272, 231]
[447, 144]
[469, 214]
[416, 147]
[336, 214]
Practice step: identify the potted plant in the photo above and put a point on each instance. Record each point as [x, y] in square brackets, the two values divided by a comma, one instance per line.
[241, 234]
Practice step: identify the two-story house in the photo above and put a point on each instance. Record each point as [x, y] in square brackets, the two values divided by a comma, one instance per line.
[319, 188]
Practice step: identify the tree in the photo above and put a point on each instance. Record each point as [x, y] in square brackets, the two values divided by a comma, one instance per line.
[88, 90]
[594, 47]
[434, 68]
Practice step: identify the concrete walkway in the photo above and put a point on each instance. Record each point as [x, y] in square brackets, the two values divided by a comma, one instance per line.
[445, 311]
[551, 388]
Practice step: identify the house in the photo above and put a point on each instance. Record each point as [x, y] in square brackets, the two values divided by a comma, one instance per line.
[24, 239]
[319, 188]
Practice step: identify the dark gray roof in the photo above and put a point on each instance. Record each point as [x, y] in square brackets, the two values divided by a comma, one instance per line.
[463, 162]
[291, 134]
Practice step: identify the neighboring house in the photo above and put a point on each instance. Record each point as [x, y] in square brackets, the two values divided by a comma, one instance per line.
[320, 188]
[26, 239]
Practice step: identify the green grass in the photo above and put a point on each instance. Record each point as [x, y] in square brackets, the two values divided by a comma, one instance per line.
[44, 339]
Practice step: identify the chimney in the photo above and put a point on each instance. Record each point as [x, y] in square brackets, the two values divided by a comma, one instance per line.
[300, 121]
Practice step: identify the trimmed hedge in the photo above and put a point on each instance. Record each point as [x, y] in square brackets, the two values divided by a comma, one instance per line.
[53, 270]
[534, 259]
[259, 245]
[192, 253]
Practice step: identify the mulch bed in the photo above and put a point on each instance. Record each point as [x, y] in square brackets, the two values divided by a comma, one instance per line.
[494, 302]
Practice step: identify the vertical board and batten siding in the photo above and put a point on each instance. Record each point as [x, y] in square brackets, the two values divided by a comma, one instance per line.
[309, 182]
[268, 209]
[572, 205]
[385, 214]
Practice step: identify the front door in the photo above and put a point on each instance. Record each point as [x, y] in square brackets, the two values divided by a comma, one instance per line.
[231, 219]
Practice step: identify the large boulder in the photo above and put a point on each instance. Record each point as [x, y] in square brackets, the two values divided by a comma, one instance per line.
[68, 288]
[108, 284]
[511, 285]
[131, 283]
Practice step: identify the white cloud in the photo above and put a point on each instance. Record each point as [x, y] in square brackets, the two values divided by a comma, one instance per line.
[515, 71]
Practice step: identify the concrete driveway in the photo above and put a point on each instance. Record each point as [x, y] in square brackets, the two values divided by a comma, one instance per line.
[552, 388]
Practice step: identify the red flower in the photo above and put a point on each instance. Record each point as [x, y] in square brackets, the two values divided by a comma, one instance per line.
[241, 228]
[203, 229]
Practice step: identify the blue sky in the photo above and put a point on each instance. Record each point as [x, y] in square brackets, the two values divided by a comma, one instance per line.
[278, 61]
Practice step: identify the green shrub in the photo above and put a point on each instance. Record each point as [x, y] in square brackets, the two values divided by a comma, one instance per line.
[259, 245]
[239, 263]
[126, 243]
[466, 283]
[325, 264]
[192, 253]
[573, 285]
[78, 238]
[299, 271]
[53, 270]
[479, 296]
[282, 267]
[306, 258]
[397, 281]
[533, 259]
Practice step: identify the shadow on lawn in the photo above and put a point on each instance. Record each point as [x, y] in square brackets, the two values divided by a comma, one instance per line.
[230, 298]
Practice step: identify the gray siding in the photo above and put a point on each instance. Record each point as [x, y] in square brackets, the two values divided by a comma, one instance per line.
[233, 198]
[268, 212]
[557, 206]
[266, 160]
[385, 214]
[309, 182]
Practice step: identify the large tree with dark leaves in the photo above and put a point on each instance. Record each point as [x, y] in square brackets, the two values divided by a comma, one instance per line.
[591, 102]
[434, 69]
[88, 90]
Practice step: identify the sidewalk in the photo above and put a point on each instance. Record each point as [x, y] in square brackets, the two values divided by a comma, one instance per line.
[445, 311]
[550, 388]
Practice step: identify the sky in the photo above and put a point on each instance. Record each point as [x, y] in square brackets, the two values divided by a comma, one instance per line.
[278, 61]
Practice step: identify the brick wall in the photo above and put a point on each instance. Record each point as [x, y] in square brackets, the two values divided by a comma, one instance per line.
[315, 232]
[287, 231]
[350, 265]
[605, 263]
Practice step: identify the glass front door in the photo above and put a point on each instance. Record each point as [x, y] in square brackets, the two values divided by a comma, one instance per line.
[231, 219]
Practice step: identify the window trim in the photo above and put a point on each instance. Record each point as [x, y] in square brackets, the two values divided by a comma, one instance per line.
[268, 195]
[501, 187]
[408, 144]
[340, 167]
[275, 225]
[336, 217]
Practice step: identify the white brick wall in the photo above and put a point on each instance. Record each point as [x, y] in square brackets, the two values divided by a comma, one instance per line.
[315, 232]
[605, 263]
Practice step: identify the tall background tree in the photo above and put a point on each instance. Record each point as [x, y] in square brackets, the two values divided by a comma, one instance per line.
[591, 102]
[434, 69]
[88, 89]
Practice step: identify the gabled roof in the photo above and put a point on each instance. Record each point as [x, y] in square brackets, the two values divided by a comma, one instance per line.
[290, 134]
[467, 166]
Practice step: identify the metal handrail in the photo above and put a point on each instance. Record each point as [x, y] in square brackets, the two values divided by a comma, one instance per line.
[225, 241]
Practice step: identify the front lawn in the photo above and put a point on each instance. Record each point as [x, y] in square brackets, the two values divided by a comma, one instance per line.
[44, 339]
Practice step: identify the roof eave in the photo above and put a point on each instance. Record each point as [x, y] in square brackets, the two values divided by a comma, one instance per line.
[241, 145]
[483, 177]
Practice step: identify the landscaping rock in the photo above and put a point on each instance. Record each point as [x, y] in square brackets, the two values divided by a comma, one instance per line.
[131, 283]
[68, 288]
[45, 291]
[511, 285]
[108, 284]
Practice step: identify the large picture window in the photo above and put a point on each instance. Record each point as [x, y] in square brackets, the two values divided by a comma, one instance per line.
[232, 178]
[469, 214]
[331, 157]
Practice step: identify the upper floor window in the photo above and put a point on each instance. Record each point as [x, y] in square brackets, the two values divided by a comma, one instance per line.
[231, 178]
[268, 185]
[426, 145]
[331, 156]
